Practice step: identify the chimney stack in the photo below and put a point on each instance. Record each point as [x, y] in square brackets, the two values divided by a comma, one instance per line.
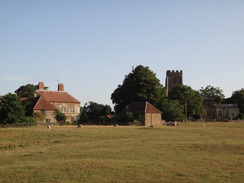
[60, 87]
[40, 86]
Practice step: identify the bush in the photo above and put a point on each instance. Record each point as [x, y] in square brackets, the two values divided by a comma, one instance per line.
[136, 123]
[29, 119]
[60, 117]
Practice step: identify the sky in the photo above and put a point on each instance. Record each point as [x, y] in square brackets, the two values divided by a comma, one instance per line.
[90, 45]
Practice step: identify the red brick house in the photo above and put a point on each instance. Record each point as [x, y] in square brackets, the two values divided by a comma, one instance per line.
[48, 102]
[152, 116]
[59, 100]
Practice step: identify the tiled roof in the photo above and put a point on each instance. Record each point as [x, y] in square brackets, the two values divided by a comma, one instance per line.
[38, 103]
[57, 96]
[226, 105]
[143, 107]
[43, 104]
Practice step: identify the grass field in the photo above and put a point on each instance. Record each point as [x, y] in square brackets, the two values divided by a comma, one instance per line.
[186, 153]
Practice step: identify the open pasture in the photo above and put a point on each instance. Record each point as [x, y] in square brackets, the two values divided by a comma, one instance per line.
[185, 153]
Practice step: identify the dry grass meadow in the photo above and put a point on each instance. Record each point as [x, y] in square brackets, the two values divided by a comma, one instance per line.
[186, 153]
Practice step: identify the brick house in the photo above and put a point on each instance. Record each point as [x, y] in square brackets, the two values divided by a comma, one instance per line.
[152, 116]
[60, 100]
[219, 112]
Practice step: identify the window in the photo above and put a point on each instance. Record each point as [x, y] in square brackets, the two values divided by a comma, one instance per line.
[227, 113]
[72, 109]
[220, 113]
[63, 109]
[72, 119]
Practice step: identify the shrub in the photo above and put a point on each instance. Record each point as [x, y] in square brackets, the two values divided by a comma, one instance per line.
[29, 119]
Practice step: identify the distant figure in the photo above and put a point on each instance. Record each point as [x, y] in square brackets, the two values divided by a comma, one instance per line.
[49, 127]
[116, 125]
[79, 126]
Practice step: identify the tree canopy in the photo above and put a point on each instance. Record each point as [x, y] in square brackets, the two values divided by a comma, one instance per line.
[94, 113]
[211, 92]
[139, 85]
[173, 111]
[11, 110]
[27, 91]
[237, 98]
[189, 98]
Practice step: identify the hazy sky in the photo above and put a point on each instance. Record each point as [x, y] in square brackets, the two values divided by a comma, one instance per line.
[90, 45]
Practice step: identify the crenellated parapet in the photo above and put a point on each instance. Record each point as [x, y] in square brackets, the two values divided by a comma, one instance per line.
[173, 78]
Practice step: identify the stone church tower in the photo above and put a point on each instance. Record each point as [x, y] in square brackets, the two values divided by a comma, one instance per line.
[173, 78]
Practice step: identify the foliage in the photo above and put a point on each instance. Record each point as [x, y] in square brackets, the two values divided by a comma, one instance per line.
[211, 92]
[29, 119]
[60, 117]
[94, 113]
[139, 85]
[11, 110]
[189, 98]
[124, 117]
[39, 116]
[237, 98]
[27, 91]
[173, 111]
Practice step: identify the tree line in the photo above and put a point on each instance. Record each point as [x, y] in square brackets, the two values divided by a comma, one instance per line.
[140, 85]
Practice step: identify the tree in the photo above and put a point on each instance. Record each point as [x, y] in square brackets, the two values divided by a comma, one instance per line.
[189, 98]
[139, 85]
[11, 110]
[173, 111]
[27, 91]
[94, 112]
[237, 98]
[211, 92]
[60, 117]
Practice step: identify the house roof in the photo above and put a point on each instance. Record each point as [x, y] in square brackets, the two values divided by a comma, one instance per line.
[43, 104]
[57, 96]
[226, 105]
[145, 107]
[38, 103]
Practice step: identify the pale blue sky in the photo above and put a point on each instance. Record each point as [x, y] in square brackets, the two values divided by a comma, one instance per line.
[90, 46]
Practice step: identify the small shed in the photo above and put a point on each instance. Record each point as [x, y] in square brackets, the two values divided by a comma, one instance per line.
[153, 116]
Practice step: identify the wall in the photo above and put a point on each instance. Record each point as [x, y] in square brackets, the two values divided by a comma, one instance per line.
[50, 117]
[153, 119]
[66, 108]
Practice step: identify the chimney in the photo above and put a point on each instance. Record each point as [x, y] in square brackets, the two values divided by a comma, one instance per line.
[40, 86]
[60, 87]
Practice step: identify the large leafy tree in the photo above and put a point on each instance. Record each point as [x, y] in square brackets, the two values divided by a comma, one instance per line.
[11, 110]
[27, 91]
[212, 92]
[237, 98]
[173, 111]
[189, 98]
[139, 85]
[94, 112]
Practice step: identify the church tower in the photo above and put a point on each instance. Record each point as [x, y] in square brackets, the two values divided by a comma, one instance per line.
[173, 78]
